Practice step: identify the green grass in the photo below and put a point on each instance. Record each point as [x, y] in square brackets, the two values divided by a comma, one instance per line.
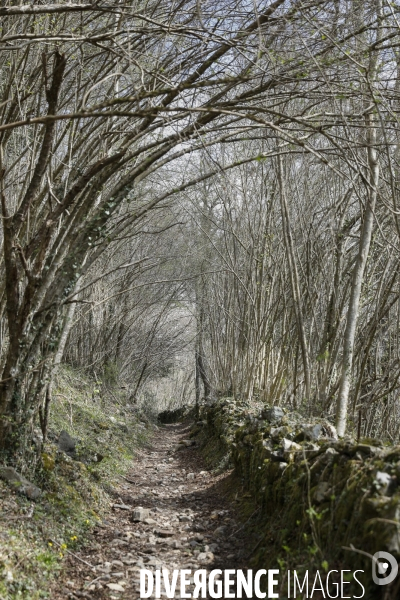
[76, 492]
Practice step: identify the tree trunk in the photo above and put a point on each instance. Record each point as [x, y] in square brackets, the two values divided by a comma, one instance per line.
[357, 279]
[294, 280]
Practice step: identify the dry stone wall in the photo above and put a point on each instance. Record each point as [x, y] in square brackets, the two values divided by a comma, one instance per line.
[321, 500]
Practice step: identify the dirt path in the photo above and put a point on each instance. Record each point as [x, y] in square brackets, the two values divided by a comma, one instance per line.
[190, 524]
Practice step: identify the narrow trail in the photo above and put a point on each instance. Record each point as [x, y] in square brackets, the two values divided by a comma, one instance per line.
[190, 524]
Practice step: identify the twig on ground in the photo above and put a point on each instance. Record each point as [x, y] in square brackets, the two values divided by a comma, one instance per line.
[256, 546]
[352, 549]
[94, 580]
[72, 554]
[244, 524]
[128, 480]
[28, 515]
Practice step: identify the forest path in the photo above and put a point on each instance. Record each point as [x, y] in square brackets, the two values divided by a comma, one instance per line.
[190, 524]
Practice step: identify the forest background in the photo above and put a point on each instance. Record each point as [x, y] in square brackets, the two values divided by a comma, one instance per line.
[201, 199]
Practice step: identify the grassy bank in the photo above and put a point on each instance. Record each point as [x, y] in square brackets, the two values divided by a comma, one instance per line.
[35, 536]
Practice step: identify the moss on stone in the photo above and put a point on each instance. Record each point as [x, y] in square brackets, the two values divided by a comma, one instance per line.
[302, 522]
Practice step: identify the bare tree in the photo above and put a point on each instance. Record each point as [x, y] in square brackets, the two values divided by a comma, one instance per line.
[112, 110]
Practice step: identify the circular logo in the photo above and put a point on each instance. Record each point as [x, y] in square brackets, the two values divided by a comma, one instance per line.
[384, 568]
